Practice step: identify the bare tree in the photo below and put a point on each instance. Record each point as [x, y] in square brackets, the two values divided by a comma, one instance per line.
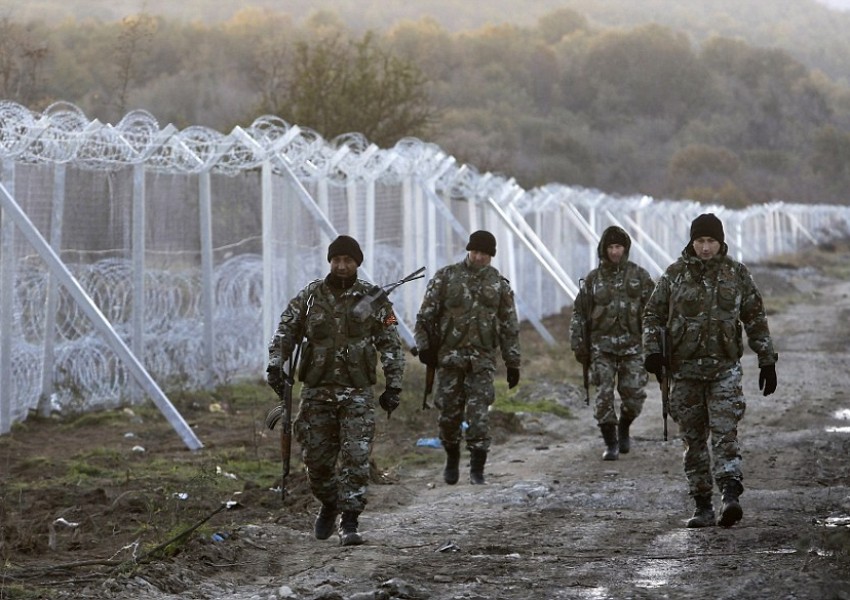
[134, 41]
[22, 59]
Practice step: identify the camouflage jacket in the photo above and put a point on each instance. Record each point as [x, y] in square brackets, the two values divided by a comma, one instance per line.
[707, 303]
[339, 349]
[469, 311]
[612, 298]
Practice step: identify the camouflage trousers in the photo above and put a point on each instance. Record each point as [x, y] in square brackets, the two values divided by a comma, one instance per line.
[709, 410]
[465, 390]
[627, 374]
[335, 427]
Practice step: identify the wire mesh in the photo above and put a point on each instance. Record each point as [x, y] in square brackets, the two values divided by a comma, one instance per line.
[409, 206]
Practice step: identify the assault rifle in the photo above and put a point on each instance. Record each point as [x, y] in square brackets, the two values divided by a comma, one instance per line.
[664, 381]
[585, 366]
[283, 412]
[430, 371]
[365, 306]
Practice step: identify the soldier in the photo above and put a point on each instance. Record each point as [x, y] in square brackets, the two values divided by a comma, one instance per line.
[704, 299]
[610, 305]
[335, 424]
[466, 318]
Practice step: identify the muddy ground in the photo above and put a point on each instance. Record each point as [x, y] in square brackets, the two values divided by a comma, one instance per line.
[554, 520]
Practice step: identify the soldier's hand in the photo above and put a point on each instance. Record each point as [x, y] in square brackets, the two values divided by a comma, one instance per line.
[428, 357]
[582, 358]
[654, 363]
[274, 377]
[767, 379]
[513, 377]
[390, 400]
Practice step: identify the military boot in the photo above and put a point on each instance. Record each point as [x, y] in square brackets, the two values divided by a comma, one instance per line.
[348, 534]
[623, 434]
[325, 521]
[452, 471]
[609, 434]
[477, 458]
[731, 512]
[704, 513]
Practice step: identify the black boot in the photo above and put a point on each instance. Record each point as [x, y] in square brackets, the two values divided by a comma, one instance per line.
[477, 458]
[704, 513]
[609, 434]
[452, 471]
[348, 535]
[731, 512]
[325, 521]
[623, 434]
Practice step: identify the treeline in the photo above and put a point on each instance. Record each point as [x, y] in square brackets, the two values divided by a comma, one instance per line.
[627, 110]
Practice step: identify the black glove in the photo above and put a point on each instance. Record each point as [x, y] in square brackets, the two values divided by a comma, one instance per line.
[767, 379]
[428, 357]
[582, 358]
[654, 363]
[390, 400]
[274, 377]
[513, 377]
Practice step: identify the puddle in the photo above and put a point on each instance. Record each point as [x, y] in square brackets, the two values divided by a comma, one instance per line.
[843, 414]
[599, 593]
[836, 521]
[837, 429]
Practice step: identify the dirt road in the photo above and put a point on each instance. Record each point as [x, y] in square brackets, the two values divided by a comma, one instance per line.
[555, 521]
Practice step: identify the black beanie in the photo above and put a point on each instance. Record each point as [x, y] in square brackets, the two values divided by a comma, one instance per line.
[482, 241]
[615, 235]
[707, 225]
[345, 245]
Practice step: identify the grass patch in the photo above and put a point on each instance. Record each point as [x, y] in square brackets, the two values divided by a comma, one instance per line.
[513, 405]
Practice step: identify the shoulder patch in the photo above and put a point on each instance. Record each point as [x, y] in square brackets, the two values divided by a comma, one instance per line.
[390, 319]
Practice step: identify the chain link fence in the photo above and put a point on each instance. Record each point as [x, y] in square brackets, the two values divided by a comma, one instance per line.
[179, 248]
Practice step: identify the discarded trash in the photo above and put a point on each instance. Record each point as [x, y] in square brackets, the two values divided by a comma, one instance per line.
[51, 528]
[429, 442]
[138, 448]
[449, 546]
[180, 495]
[71, 524]
[223, 473]
[219, 536]
[835, 521]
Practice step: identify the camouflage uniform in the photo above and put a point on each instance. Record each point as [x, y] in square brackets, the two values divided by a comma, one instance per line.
[336, 418]
[471, 314]
[613, 299]
[708, 302]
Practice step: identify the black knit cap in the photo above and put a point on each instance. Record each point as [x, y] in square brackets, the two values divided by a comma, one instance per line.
[615, 235]
[707, 225]
[482, 241]
[345, 245]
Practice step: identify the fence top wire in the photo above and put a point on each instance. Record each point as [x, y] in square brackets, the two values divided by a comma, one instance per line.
[63, 134]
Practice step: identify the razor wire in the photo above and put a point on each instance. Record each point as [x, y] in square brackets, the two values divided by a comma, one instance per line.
[554, 224]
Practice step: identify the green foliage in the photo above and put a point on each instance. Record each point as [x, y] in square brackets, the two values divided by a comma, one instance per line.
[510, 404]
[340, 86]
[14, 591]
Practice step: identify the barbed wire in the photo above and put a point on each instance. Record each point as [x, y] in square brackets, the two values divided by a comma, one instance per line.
[87, 374]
